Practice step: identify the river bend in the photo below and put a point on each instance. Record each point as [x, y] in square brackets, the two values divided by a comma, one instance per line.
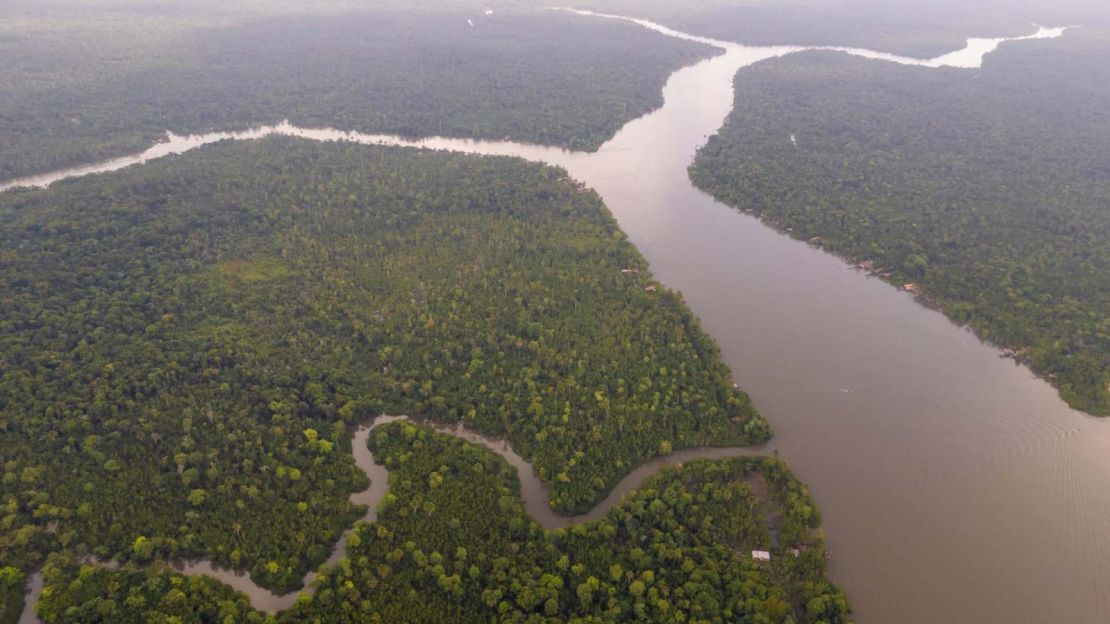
[955, 486]
[533, 493]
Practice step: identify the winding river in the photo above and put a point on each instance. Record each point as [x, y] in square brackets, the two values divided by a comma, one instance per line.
[533, 493]
[955, 486]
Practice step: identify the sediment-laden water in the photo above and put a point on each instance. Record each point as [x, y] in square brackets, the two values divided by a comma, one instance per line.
[955, 486]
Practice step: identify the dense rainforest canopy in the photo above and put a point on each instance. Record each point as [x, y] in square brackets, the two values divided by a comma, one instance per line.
[186, 344]
[11, 594]
[990, 189]
[84, 81]
[77, 88]
[452, 543]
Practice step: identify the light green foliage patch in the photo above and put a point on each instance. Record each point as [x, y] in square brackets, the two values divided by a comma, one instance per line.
[170, 332]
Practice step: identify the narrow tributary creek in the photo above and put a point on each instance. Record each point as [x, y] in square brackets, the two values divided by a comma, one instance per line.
[955, 486]
[533, 493]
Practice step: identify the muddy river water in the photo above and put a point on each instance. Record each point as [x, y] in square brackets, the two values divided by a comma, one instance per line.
[955, 486]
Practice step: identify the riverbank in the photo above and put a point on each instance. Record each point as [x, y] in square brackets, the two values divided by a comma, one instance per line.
[914, 437]
[533, 493]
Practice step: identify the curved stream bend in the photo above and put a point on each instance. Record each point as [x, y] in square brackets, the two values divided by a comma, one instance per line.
[533, 493]
[914, 438]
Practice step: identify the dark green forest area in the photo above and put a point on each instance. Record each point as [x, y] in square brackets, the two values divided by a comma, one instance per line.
[73, 92]
[676, 550]
[85, 81]
[11, 593]
[186, 344]
[989, 190]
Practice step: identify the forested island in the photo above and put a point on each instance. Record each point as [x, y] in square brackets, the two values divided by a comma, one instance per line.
[985, 192]
[82, 87]
[187, 344]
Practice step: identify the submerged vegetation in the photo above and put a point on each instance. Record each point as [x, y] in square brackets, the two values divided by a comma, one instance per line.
[987, 191]
[78, 92]
[452, 543]
[186, 344]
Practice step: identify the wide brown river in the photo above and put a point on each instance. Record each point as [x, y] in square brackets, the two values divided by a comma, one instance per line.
[955, 486]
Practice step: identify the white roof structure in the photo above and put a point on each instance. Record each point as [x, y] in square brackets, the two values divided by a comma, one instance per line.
[761, 555]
